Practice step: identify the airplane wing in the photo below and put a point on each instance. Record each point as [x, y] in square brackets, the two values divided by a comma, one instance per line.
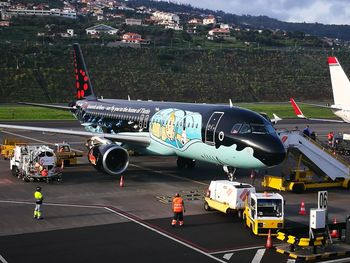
[58, 107]
[141, 139]
[300, 114]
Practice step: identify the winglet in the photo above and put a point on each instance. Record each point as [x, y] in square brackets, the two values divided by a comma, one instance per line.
[297, 110]
[231, 104]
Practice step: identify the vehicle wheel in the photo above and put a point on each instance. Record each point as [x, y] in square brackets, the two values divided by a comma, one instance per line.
[191, 163]
[14, 170]
[26, 179]
[206, 206]
[181, 163]
[298, 188]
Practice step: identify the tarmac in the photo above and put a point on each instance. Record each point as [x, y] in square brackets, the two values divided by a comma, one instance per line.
[89, 218]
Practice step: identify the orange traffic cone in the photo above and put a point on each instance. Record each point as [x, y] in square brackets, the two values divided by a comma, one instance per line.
[334, 233]
[269, 240]
[121, 182]
[302, 210]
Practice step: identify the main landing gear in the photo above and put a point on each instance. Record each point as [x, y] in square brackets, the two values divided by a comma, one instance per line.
[183, 162]
[230, 171]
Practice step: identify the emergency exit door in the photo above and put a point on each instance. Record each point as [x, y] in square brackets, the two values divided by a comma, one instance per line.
[211, 127]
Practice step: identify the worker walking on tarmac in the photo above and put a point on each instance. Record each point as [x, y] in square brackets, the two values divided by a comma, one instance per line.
[38, 202]
[330, 137]
[178, 209]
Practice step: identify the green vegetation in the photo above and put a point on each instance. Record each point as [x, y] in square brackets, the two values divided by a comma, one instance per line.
[283, 110]
[11, 112]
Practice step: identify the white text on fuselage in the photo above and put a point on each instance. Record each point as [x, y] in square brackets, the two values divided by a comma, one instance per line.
[118, 109]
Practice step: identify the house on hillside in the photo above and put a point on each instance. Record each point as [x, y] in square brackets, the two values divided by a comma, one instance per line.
[135, 38]
[101, 29]
[165, 18]
[218, 33]
[133, 22]
[195, 22]
[209, 20]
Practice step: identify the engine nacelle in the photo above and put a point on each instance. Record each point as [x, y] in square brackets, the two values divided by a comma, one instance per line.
[109, 158]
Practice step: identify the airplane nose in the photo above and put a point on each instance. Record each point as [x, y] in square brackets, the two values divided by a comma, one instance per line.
[270, 151]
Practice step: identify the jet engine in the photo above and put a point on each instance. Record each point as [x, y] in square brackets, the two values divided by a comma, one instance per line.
[109, 158]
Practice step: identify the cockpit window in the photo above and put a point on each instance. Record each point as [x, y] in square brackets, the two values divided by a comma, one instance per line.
[235, 128]
[245, 129]
[257, 128]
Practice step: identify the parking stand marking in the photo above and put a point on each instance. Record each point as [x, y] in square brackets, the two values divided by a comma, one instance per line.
[259, 255]
[2, 259]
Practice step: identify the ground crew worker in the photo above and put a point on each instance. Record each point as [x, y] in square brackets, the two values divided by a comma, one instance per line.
[178, 209]
[330, 137]
[38, 202]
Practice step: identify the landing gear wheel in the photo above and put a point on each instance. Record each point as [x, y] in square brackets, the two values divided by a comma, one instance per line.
[181, 163]
[191, 163]
[206, 206]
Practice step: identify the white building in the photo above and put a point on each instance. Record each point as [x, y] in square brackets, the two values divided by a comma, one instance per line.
[217, 33]
[133, 22]
[162, 17]
[101, 29]
[52, 12]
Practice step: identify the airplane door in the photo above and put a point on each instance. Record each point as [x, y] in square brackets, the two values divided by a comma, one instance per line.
[211, 127]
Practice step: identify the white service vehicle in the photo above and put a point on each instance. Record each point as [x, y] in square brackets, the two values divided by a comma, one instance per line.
[227, 197]
[35, 163]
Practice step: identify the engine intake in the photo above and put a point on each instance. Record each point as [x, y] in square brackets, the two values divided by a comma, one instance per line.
[109, 158]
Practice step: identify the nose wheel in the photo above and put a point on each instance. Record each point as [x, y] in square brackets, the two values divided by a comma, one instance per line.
[230, 171]
[183, 162]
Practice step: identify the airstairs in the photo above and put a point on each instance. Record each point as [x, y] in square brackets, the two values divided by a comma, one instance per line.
[331, 164]
[319, 159]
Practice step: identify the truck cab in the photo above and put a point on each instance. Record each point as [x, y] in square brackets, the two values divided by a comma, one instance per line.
[264, 212]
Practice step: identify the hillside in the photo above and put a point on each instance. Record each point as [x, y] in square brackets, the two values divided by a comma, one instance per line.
[169, 74]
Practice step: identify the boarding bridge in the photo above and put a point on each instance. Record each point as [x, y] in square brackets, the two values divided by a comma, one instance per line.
[332, 165]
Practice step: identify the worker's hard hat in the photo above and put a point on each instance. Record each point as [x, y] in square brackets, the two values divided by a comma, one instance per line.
[38, 188]
[177, 195]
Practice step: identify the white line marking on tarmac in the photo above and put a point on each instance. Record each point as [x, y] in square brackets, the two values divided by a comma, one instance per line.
[227, 256]
[340, 260]
[259, 255]
[165, 235]
[235, 250]
[126, 217]
[2, 259]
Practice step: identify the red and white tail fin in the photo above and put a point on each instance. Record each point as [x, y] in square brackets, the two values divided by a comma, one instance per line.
[297, 110]
[340, 83]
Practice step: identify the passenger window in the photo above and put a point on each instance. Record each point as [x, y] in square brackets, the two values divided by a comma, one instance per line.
[235, 128]
[245, 129]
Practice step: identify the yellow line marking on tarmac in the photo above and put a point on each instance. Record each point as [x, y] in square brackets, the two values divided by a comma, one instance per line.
[168, 174]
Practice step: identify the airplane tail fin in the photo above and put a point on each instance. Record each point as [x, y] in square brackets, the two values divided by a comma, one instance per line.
[296, 109]
[84, 89]
[340, 83]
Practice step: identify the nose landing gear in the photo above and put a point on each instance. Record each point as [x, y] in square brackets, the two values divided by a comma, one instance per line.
[230, 171]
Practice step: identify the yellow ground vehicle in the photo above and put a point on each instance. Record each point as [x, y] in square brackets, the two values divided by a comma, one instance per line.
[264, 211]
[65, 154]
[7, 148]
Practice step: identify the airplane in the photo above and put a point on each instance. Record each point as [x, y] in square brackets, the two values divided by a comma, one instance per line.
[231, 137]
[341, 95]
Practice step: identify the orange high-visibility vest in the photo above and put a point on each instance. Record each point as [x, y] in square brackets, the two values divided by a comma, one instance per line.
[177, 205]
[330, 136]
